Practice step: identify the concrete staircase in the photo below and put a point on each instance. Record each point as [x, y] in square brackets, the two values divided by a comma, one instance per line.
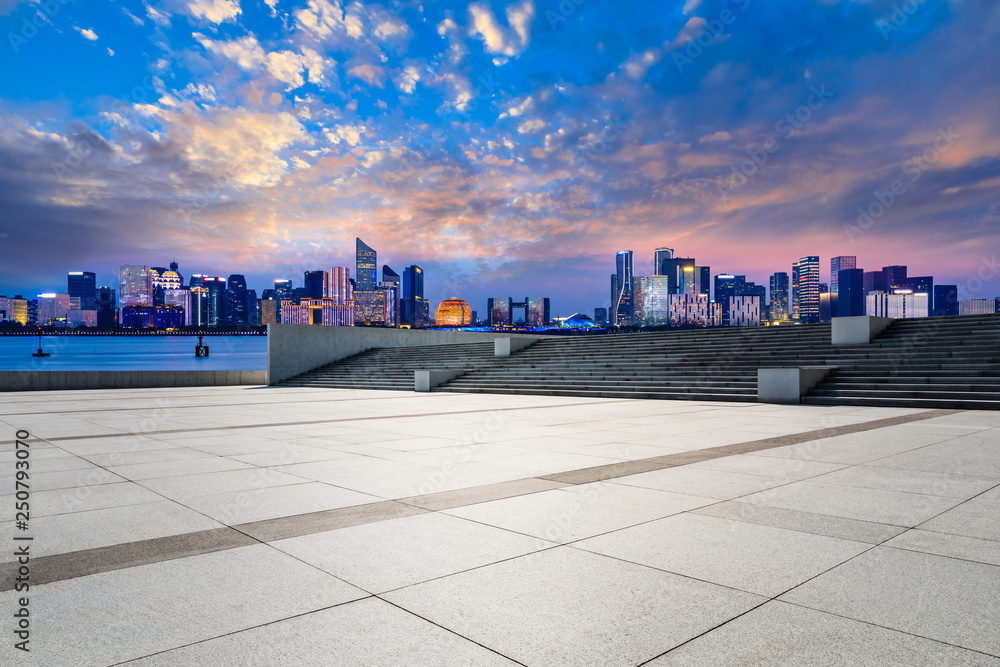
[392, 368]
[938, 362]
[951, 362]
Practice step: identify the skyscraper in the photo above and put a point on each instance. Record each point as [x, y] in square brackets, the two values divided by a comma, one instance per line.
[82, 289]
[283, 291]
[805, 289]
[216, 286]
[135, 286]
[338, 285]
[779, 297]
[413, 297]
[500, 310]
[236, 301]
[659, 255]
[314, 284]
[851, 293]
[726, 287]
[107, 307]
[945, 300]
[622, 302]
[392, 283]
[367, 267]
[838, 264]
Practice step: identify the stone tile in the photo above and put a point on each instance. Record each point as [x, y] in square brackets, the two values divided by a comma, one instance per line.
[85, 498]
[806, 522]
[255, 504]
[876, 505]
[701, 482]
[171, 453]
[114, 525]
[383, 556]
[785, 469]
[566, 606]
[481, 494]
[65, 479]
[565, 515]
[954, 457]
[115, 616]
[270, 530]
[922, 594]
[978, 517]
[856, 448]
[179, 468]
[952, 546]
[184, 487]
[910, 481]
[783, 635]
[369, 633]
[753, 558]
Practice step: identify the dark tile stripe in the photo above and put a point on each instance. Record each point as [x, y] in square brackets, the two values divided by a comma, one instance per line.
[120, 556]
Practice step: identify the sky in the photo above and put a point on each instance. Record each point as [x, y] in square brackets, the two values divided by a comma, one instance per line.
[508, 148]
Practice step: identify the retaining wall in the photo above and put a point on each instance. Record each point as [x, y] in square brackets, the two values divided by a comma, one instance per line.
[53, 380]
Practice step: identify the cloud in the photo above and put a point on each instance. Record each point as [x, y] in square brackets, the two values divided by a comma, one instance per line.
[215, 11]
[721, 135]
[135, 19]
[407, 79]
[690, 7]
[637, 65]
[349, 134]
[531, 126]
[245, 51]
[87, 33]
[159, 17]
[506, 41]
[370, 73]
[111, 51]
[287, 67]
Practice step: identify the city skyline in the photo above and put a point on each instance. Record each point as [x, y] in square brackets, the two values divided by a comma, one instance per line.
[498, 145]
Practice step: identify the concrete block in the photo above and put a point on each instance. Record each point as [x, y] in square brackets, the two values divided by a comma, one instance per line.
[788, 385]
[426, 380]
[506, 346]
[857, 330]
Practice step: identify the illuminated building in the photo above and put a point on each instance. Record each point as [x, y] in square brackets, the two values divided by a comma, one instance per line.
[779, 297]
[371, 307]
[453, 313]
[107, 308]
[82, 289]
[621, 289]
[651, 301]
[901, 305]
[392, 283]
[744, 311]
[163, 281]
[135, 287]
[52, 309]
[315, 282]
[500, 311]
[367, 262]
[337, 285]
[827, 304]
[215, 315]
[180, 298]
[325, 312]
[977, 307]
[236, 301]
[413, 303]
[850, 292]
[537, 311]
[269, 312]
[805, 290]
[692, 310]
[838, 264]
[13, 309]
[253, 309]
[283, 291]
[81, 318]
[601, 316]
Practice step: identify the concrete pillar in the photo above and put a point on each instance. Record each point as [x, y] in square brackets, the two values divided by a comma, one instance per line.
[857, 330]
[426, 380]
[504, 347]
[789, 385]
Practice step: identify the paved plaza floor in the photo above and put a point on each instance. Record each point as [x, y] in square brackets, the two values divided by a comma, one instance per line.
[281, 526]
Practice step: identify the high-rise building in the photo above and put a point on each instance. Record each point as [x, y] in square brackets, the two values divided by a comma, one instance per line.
[367, 267]
[894, 274]
[500, 311]
[601, 316]
[851, 293]
[875, 281]
[51, 309]
[805, 290]
[199, 306]
[164, 279]
[236, 300]
[838, 264]
[392, 282]
[651, 301]
[945, 300]
[727, 286]
[686, 310]
[659, 255]
[180, 298]
[323, 311]
[253, 309]
[216, 315]
[135, 286]
[977, 307]
[901, 305]
[621, 303]
[413, 303]
[338, 285]
[283, 291]
[82, 289]
[536, 311]
[744, 311]
[675, 269]
[107, 307]
[269, 311]
[827, 304]
[779, 297]
[315, 282]
[371, 307]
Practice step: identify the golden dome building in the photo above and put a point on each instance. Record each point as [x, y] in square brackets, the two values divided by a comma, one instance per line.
[453, 313]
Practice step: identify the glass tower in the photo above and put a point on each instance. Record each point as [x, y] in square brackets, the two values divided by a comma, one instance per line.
[367, 269]
[622, 304]
[805, 290]
[838, 264]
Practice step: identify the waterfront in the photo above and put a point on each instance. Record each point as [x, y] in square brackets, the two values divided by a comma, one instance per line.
[132, 353]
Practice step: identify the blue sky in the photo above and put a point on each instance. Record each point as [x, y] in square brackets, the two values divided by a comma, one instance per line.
[509, 148]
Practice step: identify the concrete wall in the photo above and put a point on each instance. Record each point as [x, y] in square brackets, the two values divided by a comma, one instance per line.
[49, 380]
[296, 348]
[789, 385]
